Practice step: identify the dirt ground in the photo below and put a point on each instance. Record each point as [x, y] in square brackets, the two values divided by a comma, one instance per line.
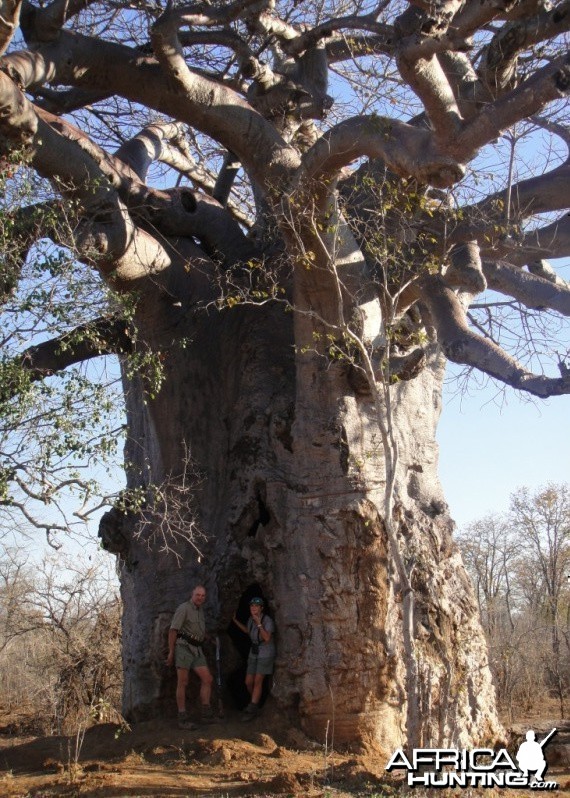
[230, 758]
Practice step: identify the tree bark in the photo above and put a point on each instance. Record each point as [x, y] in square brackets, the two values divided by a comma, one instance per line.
[291, 480]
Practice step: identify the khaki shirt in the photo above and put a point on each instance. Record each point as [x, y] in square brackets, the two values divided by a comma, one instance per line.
[189, 619]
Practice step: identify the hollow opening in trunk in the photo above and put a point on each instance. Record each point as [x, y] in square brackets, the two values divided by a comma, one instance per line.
[263, 517]
[236, 679]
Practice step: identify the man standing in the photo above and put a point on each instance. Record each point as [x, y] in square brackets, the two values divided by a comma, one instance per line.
[185, 639]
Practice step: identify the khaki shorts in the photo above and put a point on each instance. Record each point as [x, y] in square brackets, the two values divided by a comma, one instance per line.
[262, 665]
[187, 656]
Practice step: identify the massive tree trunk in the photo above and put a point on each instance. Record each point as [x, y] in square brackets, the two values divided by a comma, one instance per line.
[292, 479]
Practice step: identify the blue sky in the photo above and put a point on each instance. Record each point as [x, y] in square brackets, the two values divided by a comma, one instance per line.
[494, 441]
[488, 451]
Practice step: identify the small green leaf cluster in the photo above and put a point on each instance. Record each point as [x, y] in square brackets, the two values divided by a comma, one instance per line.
[149, 366]
[253, 282]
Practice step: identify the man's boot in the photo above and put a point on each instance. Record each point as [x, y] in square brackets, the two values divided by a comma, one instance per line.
[250, 712]
[207, 714]
[184, 722]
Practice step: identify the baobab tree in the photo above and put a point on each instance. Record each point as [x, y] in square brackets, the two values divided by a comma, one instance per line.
[353, 205]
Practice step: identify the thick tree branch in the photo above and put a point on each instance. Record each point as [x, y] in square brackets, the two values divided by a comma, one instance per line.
[113, 188]
[49, 20]
[106, 237]
[486, 221]
[465, 270]
[305, 41]
[168, 43]
[551, 241]
[546, 85]
[429, 82]
[182, 212]
[226, 178]
[168, 40]
[542, 268]
[169, 52]
[127, 256]
[64, 102]
[406, 150]
[498, 66]
[475, 15]
[207, 105]
[345, 48]
[101, 337]
[147, 146]
[18, 122]
[464, 82]
[105, 187]
[176, 154]
[421, 69]
[58, 150]
[461, 345]
[250, 66]
[270, 25]
[529, 289]
[9, 21]
[29, 71]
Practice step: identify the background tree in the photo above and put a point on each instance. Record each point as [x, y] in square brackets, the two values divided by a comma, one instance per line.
[490, 551]
[59, 641]
[525, 595]
[543, 521]
[380, 218]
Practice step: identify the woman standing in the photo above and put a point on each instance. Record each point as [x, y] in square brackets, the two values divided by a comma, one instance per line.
[261, 659]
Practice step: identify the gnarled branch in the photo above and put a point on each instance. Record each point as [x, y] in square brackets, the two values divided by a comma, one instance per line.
[147, 146]
[406, 150]
[101, 337]
[309, 38]
[529, 289]
[542, 194]
[546, 85]
[421, 69]
[498, 66]
[48, 21]
[461, 345]
[551, 241]
[204, 104]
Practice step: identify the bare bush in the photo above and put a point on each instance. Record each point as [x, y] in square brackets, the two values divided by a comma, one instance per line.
[59, 641]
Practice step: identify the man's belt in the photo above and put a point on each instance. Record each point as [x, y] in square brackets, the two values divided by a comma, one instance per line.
[194, 641]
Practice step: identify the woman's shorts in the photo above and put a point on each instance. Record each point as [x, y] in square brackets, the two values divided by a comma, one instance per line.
[189, 657]
[260, 665]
